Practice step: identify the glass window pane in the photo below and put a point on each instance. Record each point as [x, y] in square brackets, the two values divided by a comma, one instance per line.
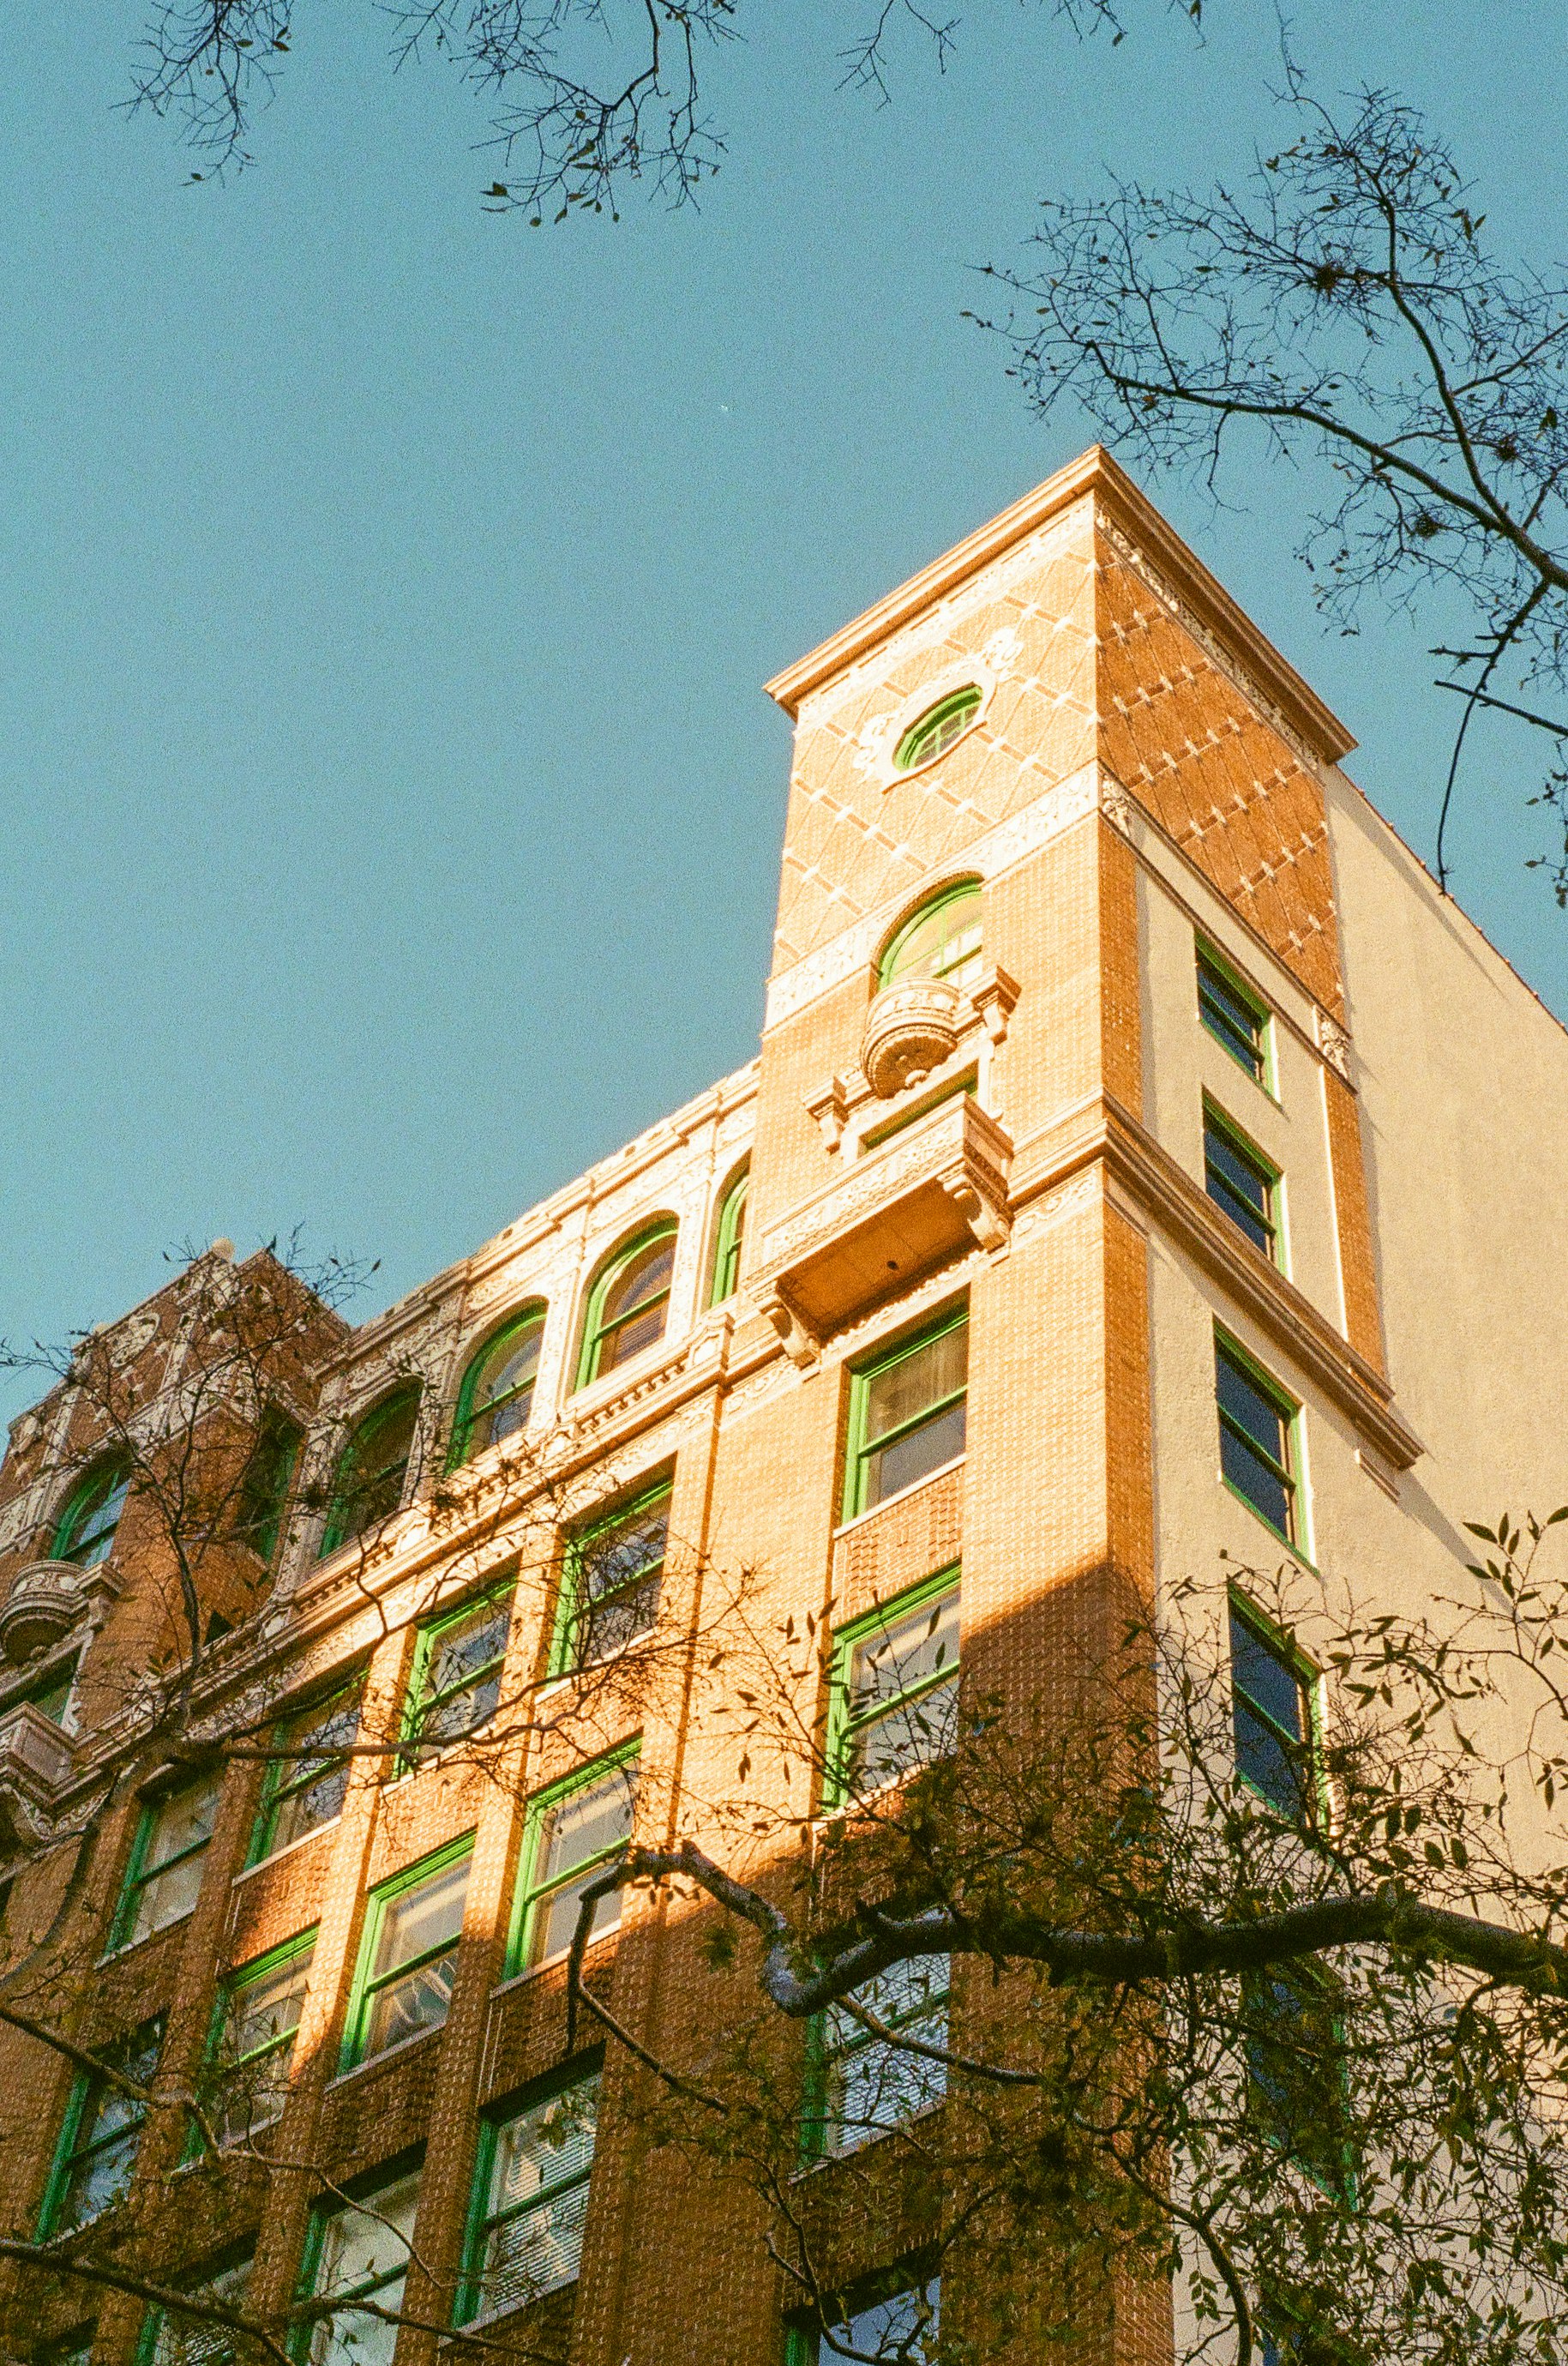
[915, 1454]
[586, 1823]
[1247, 1407]
[183, 1822]
[556, 1917]
[1263, 1673]
[943, 943]
[903, 1390]
[911, 1733]
[510, 1364]
[90, 1529]
[420, 2000]
[168, 1897]
[629, 1338]
[262, 2012]
[362, 2245]
[546, 2146]
[903, 1652]
[539, 2196]
[645, 1276]
[536, 2252]
[904, 2328]
[101, 2178]
[471, 1645]
[1256, 1481]
[424, 1916]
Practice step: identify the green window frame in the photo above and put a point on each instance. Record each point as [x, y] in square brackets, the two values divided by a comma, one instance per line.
[358, 2248]
[265, 1481]
[100, 2135]
[530, 2200]
[496, 1396]
[1260, 1443]
[399, 1996]
[84, 1532]
[728, 1237]
[892, 1688]
[373, 1469]
[1239, 1020]
[942, 938]
[1241, 1182]
[249, 2049]
[454, 1685]
[611, 1578]
[1297, 2089]
[303, 1788]
[940, 728]
[1276, 1719]
[50, 1693]
[572, 1828]
[907, 1411]
[168, 2338]
[860, 2087]
[898, 2317]
[163, 1875]
[628, 1305]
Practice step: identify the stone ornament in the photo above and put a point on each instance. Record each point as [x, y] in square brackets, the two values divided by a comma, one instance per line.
[912, 1027]
[46, 1600]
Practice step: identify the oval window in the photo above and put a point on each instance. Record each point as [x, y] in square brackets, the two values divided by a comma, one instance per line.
[935, 731]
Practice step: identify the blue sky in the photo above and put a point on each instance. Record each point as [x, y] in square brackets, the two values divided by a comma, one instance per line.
[391, 808]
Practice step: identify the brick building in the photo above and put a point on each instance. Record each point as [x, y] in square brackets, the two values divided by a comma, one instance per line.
[1118, 1187]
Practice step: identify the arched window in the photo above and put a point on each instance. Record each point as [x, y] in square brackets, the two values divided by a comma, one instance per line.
[371, 1469]
[629, 1303]
[727, 1239]
[86, 1527]
[941, 939]
[497, 1387]
[932, 734]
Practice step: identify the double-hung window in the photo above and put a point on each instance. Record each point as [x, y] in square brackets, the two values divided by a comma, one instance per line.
[1273, 1710]
[1242, 1182]
[100, 2135]
[530, 2191]
[1259, 1450]
[359, 2251]
[408, 1957]
[610, 1582]
[164, 1876]
[571, 1832]
[906, 1411]
[1233, 1015]
[893, 1690]
[307, 1780]
[865, 2085]
[455, 1683]
[253, 2034]
[172, 2338]
[903, 2326]
[1295, 2071]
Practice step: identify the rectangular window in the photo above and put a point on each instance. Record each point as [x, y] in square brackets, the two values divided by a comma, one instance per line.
[1273, 1690]
[1257, 1438]
[1295, 2071]
[359, 2251]
[571, 1831]
[99, 2136]
[893, 1693]
[408, 1957]
[1240, 1180]
[610, 1588]
[531, 2195]
[904, 2326]
[906, 1412]
[263, 1488]
[1233, 1015]
[253, 2049]
[170, 2339]
[164, 1876]
[868, 2087]
[51, 1695]
[306, 1782]
[456, 1679]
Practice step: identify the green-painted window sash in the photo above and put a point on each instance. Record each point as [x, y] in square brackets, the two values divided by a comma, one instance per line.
[170, 2339]
[373, 1470]
[860, 2086]
[1273, 1713]
[263, 1488]
[1241, 1181]
[893, 1688]
[455, 1682]
[250, 2049]
[629, 1303]
[932, 734]
[960, 1086]
[907, 1412]
[358, 2249]
[942, 938]
[1257, 1437]
[95, 2158]
[1233, 1014]
[612, 1576]
[571, 1830]
[407, 1956]
[530, 2196]
[51, 1696]
[728, 1239]
[174, 1833]
[902, 2323]
[496, 1394]
[304, 1785]
[1297, 2091]
[85, 1529]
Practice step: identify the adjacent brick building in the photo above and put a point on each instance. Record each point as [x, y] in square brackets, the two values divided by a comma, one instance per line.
[1143, 1164]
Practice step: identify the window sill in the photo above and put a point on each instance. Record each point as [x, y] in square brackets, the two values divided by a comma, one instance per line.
[129, 1947]
[551, 1963]
[388, 2054]
[288, 1848]
[853, 2152]
[858, 1519]
[500, 2316]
